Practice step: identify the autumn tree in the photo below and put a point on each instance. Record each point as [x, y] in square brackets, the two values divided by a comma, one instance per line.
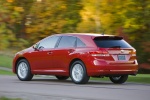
[13, 18]
[50, 17]
[128, 18]
[6, 24]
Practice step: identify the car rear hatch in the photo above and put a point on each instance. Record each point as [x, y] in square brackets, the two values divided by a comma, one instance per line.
[114, 50]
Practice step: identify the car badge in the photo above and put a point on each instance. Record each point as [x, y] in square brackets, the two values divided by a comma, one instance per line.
[122, 51]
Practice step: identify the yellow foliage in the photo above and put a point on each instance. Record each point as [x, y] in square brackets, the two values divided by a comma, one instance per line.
[19, 9]
[10, 1]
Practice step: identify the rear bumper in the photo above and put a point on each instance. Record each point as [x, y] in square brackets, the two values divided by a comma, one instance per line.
[115, 69]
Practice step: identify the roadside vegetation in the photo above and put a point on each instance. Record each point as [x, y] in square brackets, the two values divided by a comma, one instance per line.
[6, 61]
[24, 22]
[5, 98]
[139, 78]
[4, 72]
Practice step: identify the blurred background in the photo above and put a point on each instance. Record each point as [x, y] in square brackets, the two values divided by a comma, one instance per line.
[24, 22]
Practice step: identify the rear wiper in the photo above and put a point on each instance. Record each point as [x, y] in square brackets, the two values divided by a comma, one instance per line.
[115, 47]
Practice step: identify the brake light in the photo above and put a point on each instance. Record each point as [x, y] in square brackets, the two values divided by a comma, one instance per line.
[134, 53]
[99, 53]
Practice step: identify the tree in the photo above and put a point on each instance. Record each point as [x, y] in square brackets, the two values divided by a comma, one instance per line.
[6, 33]
[137, 25]
[71, 15]
[90, 17]
[50, 17]
[128, 18]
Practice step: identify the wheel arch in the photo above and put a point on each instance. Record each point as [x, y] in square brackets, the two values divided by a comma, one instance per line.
[20, 58]
[72, 61]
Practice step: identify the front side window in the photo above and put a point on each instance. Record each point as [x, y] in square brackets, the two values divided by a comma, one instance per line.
[49, 42]
[67, 41]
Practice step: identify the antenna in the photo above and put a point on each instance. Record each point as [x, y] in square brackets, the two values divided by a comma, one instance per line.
[103, 32]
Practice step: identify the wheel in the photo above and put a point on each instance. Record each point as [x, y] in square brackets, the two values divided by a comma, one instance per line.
[23, 70]
[78, 73]
[62, 77]
[119, 79]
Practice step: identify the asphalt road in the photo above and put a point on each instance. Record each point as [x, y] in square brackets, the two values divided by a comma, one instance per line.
[49, 88]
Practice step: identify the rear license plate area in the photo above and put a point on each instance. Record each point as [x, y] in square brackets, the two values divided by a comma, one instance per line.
[121, 57]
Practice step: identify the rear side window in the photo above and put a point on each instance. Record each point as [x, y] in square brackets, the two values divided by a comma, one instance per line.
[80, 43]
[111, 42]
[67, 41]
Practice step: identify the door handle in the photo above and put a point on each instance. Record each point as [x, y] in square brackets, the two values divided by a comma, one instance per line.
[49, 52]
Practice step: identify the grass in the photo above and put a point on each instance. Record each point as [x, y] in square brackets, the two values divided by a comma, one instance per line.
[139, 78]
[6, 61]
[5, 98]
[3, 72]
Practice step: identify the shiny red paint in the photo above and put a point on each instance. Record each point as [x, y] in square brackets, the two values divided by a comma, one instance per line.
[57, 61]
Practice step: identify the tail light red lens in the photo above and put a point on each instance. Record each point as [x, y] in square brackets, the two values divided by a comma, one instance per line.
[134, 53]
[100, 53]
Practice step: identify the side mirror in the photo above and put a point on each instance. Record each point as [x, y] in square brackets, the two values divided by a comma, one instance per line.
[35, 47]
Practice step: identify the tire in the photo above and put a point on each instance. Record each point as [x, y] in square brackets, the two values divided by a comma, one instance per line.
[62, 77]
[23, 70]
[119, 79]
[78, 73]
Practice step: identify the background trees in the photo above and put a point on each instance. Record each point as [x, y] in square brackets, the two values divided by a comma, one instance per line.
[24, 22]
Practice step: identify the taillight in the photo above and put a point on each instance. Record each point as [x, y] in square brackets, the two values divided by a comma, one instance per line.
[134, 53]
[99, 53]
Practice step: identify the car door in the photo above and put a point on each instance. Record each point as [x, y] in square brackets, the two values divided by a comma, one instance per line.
[42, 58]
[64, 52]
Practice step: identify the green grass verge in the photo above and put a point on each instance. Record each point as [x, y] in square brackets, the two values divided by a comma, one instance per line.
[6, 61]
[3, 72]
[5, 98]
[139, 78]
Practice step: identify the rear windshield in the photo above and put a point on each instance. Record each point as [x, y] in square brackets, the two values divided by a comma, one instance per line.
[111, 42]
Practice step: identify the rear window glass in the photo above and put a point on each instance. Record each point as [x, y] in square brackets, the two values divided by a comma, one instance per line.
[111, 42]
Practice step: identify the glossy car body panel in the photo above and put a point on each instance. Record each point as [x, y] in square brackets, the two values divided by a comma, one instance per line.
[98, 61]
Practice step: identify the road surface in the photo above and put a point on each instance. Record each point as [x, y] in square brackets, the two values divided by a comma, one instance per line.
[49, 88]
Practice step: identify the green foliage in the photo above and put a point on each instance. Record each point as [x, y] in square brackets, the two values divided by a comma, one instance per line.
[24, 22]
[5, 98]
[90, 17]
[6, 34]
[46, 18]
[51, 17]
[71, 15]
[128, 18]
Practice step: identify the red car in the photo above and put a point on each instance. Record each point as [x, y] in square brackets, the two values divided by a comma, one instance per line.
[79, 56]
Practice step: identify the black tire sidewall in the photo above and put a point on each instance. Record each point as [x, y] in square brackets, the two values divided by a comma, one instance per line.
[122, 79]
[85, 78]
[29, 75]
